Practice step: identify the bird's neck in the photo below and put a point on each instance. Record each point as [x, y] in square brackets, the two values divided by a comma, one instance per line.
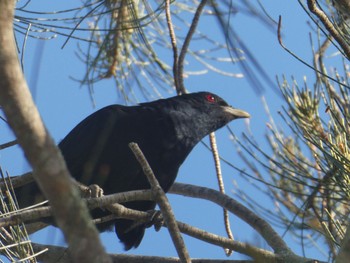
[188, 132]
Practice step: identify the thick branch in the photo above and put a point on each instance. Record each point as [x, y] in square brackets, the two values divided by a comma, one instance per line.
[48, 164]
[56, 254]
[282, 252]
[260, 255]
[17, 181]
[260, 225]
[312, 4]
[35, 214]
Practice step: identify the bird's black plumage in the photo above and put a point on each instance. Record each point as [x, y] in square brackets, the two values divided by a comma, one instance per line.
[96, 150]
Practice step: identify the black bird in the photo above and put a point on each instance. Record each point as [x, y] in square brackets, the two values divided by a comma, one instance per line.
[96, 150]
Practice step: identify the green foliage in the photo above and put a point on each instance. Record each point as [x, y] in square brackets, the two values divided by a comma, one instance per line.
[307, 175]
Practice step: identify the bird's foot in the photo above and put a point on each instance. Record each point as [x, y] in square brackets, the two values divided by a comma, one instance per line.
[156, 219]
[93, 191]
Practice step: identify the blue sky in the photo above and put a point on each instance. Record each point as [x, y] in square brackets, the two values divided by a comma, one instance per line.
[62, 103]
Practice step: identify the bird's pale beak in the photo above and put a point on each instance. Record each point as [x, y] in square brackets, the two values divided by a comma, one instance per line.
[237, 113]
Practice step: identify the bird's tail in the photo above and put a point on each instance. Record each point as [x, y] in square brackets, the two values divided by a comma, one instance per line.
[129, 234]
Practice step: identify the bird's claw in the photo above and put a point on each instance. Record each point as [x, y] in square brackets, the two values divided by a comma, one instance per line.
[94, 191]
[156, 219]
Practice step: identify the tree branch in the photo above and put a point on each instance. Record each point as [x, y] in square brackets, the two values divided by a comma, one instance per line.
[39, 148]
[180, 62]
[312, 4]
[174, 47]
[8, 144]
[17, 181]
[216, 157]
[35, 214]
[162, 201]
[56, 254]
[260, 255]
[260, 225]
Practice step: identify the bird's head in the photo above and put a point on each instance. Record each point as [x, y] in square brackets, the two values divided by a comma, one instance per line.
[201, 113]
[214, 105]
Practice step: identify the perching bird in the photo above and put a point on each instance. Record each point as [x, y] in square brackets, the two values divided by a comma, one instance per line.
[96, 151]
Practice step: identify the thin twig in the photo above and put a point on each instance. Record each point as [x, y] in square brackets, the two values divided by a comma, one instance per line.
[216, 157]
[180, 66]
[173, 44]
[8, 144]
[163, 203]
[318, 57]
[279, 37]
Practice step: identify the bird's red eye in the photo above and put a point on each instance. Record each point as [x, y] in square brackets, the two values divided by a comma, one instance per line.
[210, 98]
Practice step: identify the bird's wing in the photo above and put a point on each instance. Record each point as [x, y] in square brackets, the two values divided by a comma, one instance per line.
[76, 147]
